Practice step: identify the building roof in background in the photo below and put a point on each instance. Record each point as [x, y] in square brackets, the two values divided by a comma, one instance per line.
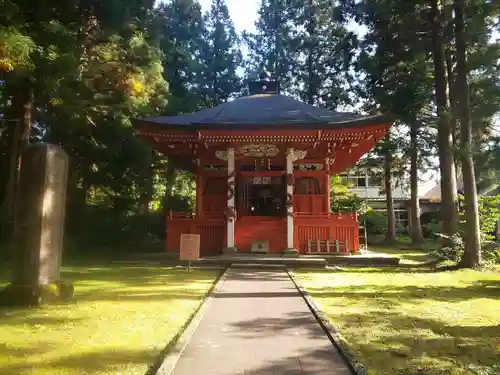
[434, 194]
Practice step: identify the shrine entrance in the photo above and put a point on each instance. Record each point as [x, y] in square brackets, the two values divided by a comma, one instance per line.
[262, 196]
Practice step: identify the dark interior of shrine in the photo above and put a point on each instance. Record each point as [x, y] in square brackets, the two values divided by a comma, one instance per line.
[266, 200]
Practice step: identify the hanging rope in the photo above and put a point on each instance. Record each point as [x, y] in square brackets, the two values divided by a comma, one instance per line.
[231, 184]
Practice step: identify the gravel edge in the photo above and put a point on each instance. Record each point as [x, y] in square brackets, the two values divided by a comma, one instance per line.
[171, 354]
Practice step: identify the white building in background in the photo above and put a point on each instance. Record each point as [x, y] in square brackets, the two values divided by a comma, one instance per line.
[368, 184]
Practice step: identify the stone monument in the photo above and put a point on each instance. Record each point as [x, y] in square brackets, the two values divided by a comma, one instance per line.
[39, 227]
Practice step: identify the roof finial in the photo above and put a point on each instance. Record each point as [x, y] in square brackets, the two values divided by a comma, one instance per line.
[264, 85]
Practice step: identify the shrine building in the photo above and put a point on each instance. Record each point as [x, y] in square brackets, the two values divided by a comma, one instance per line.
[263, 165]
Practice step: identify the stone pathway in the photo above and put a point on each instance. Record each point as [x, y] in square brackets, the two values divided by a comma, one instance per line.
[259, 324]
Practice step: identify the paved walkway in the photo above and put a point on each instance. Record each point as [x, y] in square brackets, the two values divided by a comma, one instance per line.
[258, 324]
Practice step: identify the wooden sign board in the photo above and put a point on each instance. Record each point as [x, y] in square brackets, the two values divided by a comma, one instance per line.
[190, 247]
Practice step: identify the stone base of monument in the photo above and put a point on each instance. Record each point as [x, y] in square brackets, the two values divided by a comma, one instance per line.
[28, 295]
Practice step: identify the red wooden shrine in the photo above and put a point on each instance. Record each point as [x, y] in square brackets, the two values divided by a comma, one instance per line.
[263, 165]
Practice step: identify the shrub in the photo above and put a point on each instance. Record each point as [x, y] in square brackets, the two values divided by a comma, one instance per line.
[489, 214]
[375, 222]
[432, 229]
[491, 252]
[343, 200]
[452, 252]
[101, 227]
[401, 230]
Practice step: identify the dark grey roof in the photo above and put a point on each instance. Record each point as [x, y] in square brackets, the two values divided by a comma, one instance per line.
[266, 109]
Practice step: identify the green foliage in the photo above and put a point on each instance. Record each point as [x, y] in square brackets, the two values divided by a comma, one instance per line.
[453, 251]
[272, 48]
[221, 56]
[342, 199]
[326, 51]
[432, 228]
[306, 46]
[100, 227]
[183, 193]
[179, 26]
[491, 252]
[375, 222]
[489, 215]
[15, 49]
[92, 68]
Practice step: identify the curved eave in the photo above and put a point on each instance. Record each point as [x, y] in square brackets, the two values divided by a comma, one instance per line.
[292, 125]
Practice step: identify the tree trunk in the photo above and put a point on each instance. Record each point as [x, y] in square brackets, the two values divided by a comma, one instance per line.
[452, 99]
[21, 109]
[472, 253]
[446, 160]
[390, 236]
[415, 226]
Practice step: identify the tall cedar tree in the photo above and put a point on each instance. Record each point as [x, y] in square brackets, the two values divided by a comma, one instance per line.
[445, 146]
[394, 58]
[472, 253]
[273, 47]
[92, 70]
[180, 26]
[326, 51]
[221, 56]
[483, 54]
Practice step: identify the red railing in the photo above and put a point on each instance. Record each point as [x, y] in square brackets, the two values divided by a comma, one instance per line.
[307, 226]
[341, 227]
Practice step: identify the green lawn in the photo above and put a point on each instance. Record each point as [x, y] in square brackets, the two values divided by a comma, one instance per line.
[414, 321]
[120, 320]
[408, 256]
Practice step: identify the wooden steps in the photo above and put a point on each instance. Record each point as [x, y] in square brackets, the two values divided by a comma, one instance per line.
[325, 247]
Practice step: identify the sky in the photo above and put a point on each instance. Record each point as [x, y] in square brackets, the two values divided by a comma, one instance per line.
[243, 12]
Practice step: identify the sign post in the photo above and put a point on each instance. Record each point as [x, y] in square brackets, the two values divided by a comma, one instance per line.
[190, 248]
